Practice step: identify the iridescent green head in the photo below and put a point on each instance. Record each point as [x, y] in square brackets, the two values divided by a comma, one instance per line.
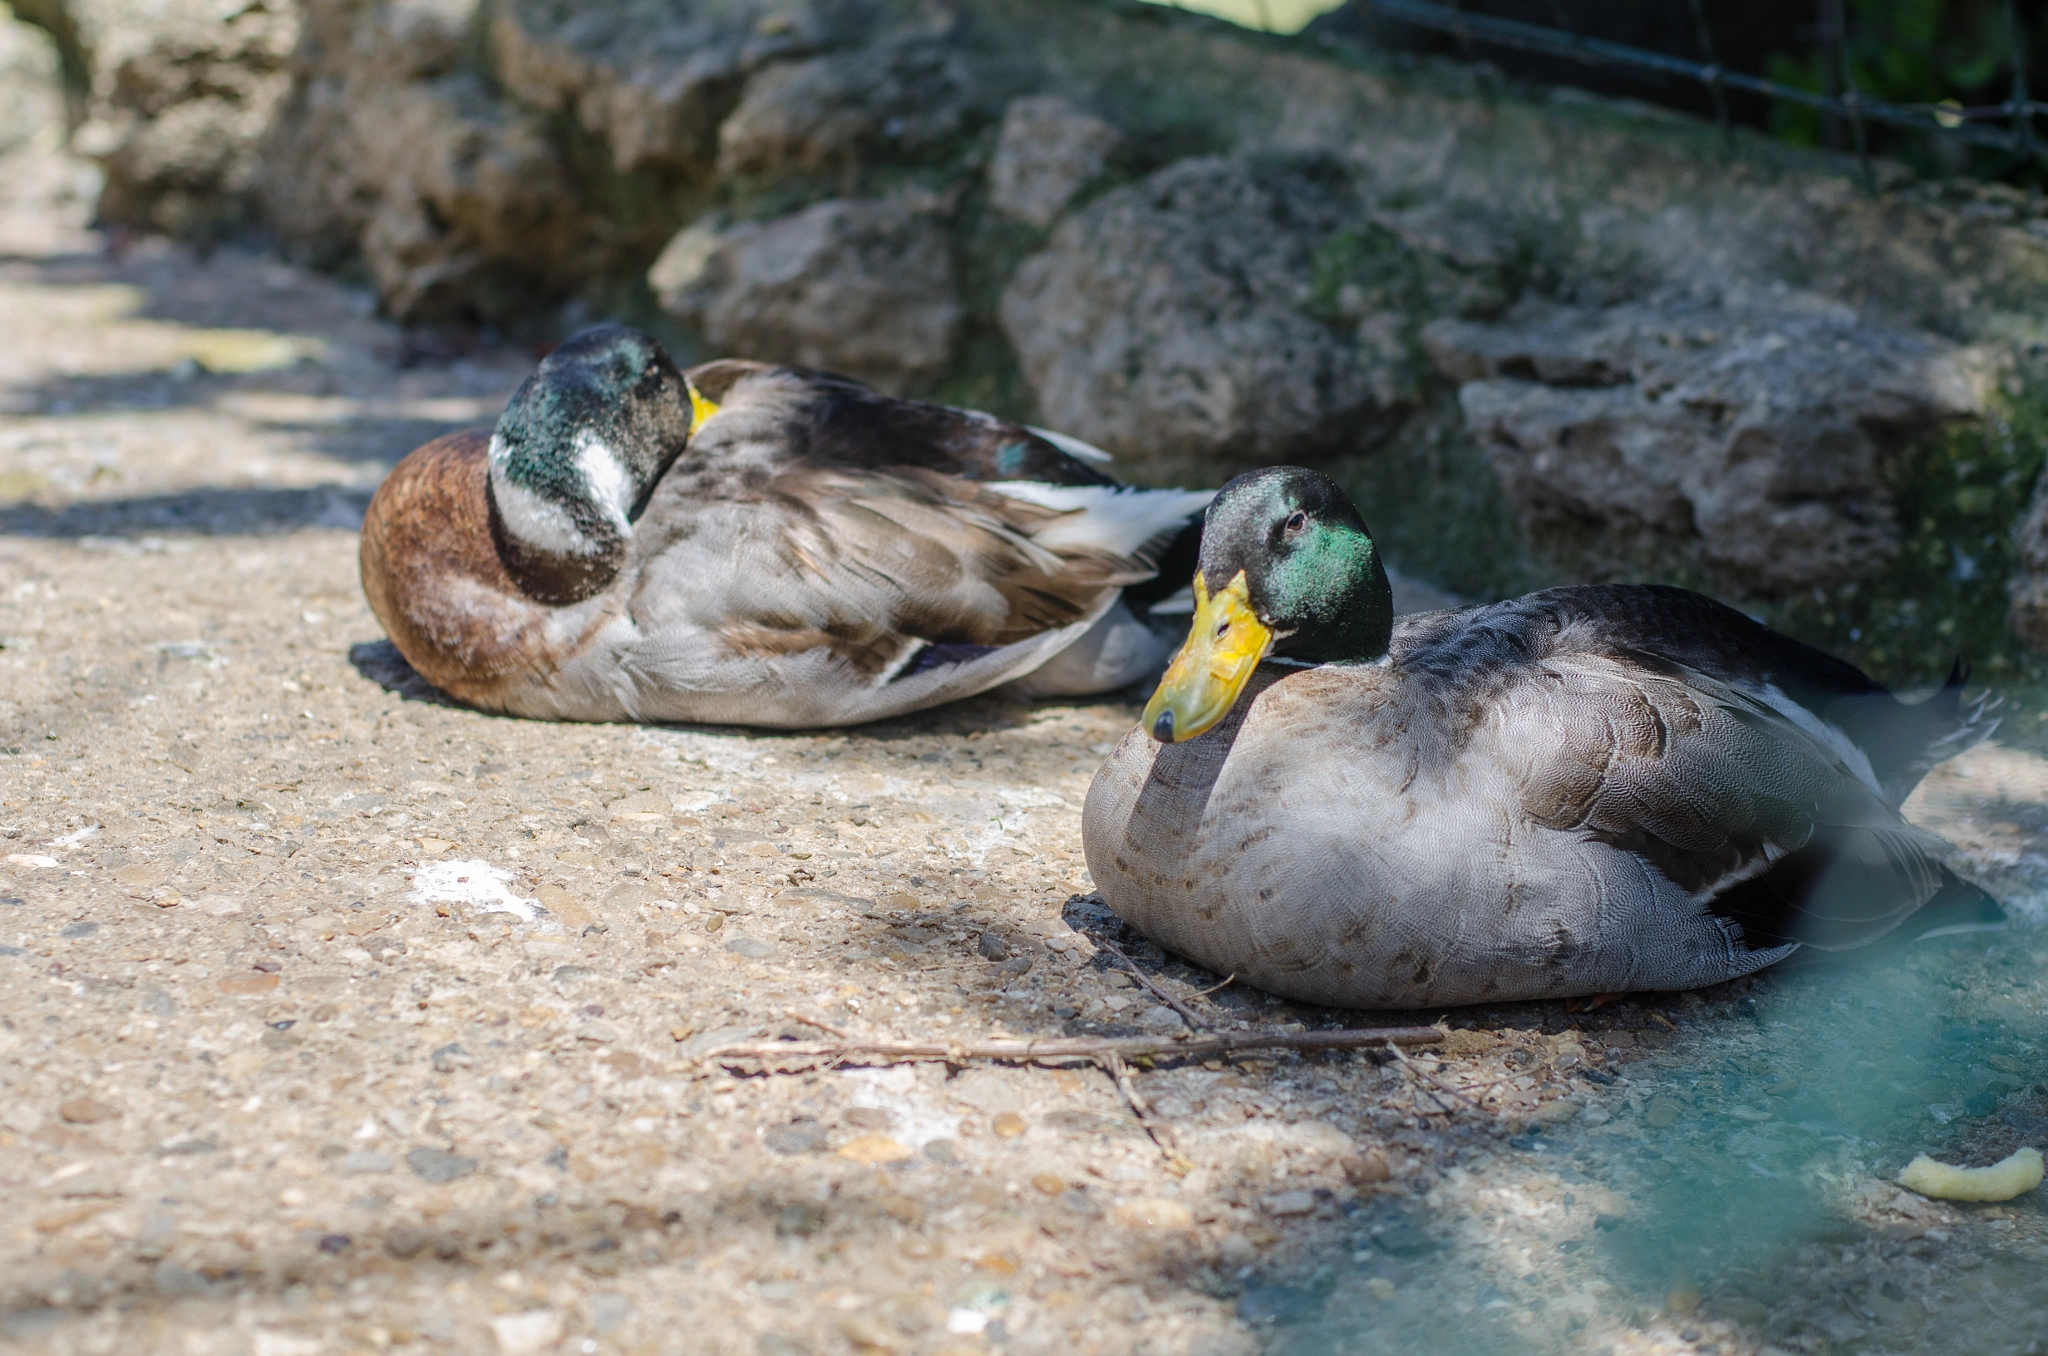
[1288, 570]
[576, 455]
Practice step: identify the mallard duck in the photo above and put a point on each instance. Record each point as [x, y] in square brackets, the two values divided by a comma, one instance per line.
[1588, 790]
[759, 545]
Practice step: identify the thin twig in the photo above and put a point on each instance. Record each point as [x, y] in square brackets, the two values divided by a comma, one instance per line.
[1214, 987]
[1077, 1047]
[1186, 1014]
[1161, 1133]
[825, 1027]
[1432, 1079]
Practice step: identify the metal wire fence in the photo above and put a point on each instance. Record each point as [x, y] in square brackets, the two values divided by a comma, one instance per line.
[1852, 107]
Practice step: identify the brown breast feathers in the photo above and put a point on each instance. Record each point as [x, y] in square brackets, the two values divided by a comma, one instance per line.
[434, 579]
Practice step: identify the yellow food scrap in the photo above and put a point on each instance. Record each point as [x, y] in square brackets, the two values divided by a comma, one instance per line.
[2000, 1182]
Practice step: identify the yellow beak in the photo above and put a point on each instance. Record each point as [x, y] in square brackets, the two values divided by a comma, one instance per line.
[701, 408]
[1202, 683]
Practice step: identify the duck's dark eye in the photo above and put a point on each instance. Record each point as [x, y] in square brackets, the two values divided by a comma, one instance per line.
[1296, 521]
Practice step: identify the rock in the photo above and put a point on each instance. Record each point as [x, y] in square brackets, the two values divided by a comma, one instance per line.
[88, 1111]
[993, 947]
[1291, 1203]
[1007, 1124]
[753, 948]
[801, 1136]
[1753, 434]
[456, 200]
[439, 1165]
[366, 1160]
[404, 1241]
[1159, 1018]
[800, 1220]
[175, 1282]
[1155, 1214]
[861, 286]
[1662, 1111]
[655, 114]
[522, 1334]
[1366, 1169]
[186, 94]
[873, 1149]
[1171, 322]
[1047, 152]
[32, 101]
[825, 116]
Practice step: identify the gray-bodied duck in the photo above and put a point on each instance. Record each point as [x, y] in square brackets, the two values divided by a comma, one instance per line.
[1587, 790]
[759, 545]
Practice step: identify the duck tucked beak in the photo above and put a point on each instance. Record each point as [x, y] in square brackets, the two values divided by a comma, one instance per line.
[1202, 683]
[701, 407]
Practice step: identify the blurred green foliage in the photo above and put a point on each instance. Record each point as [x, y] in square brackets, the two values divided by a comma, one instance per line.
[1924, 52]
[1944, 595]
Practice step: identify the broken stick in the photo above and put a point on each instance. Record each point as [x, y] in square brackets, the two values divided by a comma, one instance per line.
[1162, 1134]
[1078, 1047]
[1186, 1014]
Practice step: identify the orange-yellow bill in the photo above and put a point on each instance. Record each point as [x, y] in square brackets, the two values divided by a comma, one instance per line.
[701, 407]
[1202, 683]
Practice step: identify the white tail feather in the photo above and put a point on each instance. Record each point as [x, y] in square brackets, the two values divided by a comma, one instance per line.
[1110, 518]
[1074, 447]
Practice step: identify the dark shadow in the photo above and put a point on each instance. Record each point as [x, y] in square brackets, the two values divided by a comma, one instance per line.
[381, 663]
[368, 440]
[202, 512]
[238, 288]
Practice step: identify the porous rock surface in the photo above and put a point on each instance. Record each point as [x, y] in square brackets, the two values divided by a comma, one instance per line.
[1754, 430]
[1172, 315]
[863, 287]
[1048, 151]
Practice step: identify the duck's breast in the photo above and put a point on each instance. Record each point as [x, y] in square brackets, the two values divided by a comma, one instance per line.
[432, 574]
[1347, 839]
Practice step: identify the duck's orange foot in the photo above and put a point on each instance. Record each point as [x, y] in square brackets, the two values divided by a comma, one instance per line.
[1591, 1001]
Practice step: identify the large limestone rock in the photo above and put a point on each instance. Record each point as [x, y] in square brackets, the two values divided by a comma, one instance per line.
[829, 115]
[1752, 433]
[1172, 320]
[1047, 152]
[31, 93]
[863, 287]
[658, 104]
[183, 96]
[456, 200]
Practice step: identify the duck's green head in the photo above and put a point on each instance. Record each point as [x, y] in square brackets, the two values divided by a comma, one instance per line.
[576, 454]
[1288, 570]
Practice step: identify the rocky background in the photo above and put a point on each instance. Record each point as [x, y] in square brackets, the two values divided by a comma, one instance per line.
[1544, 336]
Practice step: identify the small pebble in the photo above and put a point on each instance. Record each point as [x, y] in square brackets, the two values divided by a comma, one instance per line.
[870, 1150]
[1007, 1124]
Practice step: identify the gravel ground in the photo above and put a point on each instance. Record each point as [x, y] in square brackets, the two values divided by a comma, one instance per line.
[291, 1063]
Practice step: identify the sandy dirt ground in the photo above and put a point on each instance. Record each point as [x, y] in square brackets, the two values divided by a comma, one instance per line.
[291, 1063]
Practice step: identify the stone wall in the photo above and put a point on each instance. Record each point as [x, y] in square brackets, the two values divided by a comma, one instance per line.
[1554, 336]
